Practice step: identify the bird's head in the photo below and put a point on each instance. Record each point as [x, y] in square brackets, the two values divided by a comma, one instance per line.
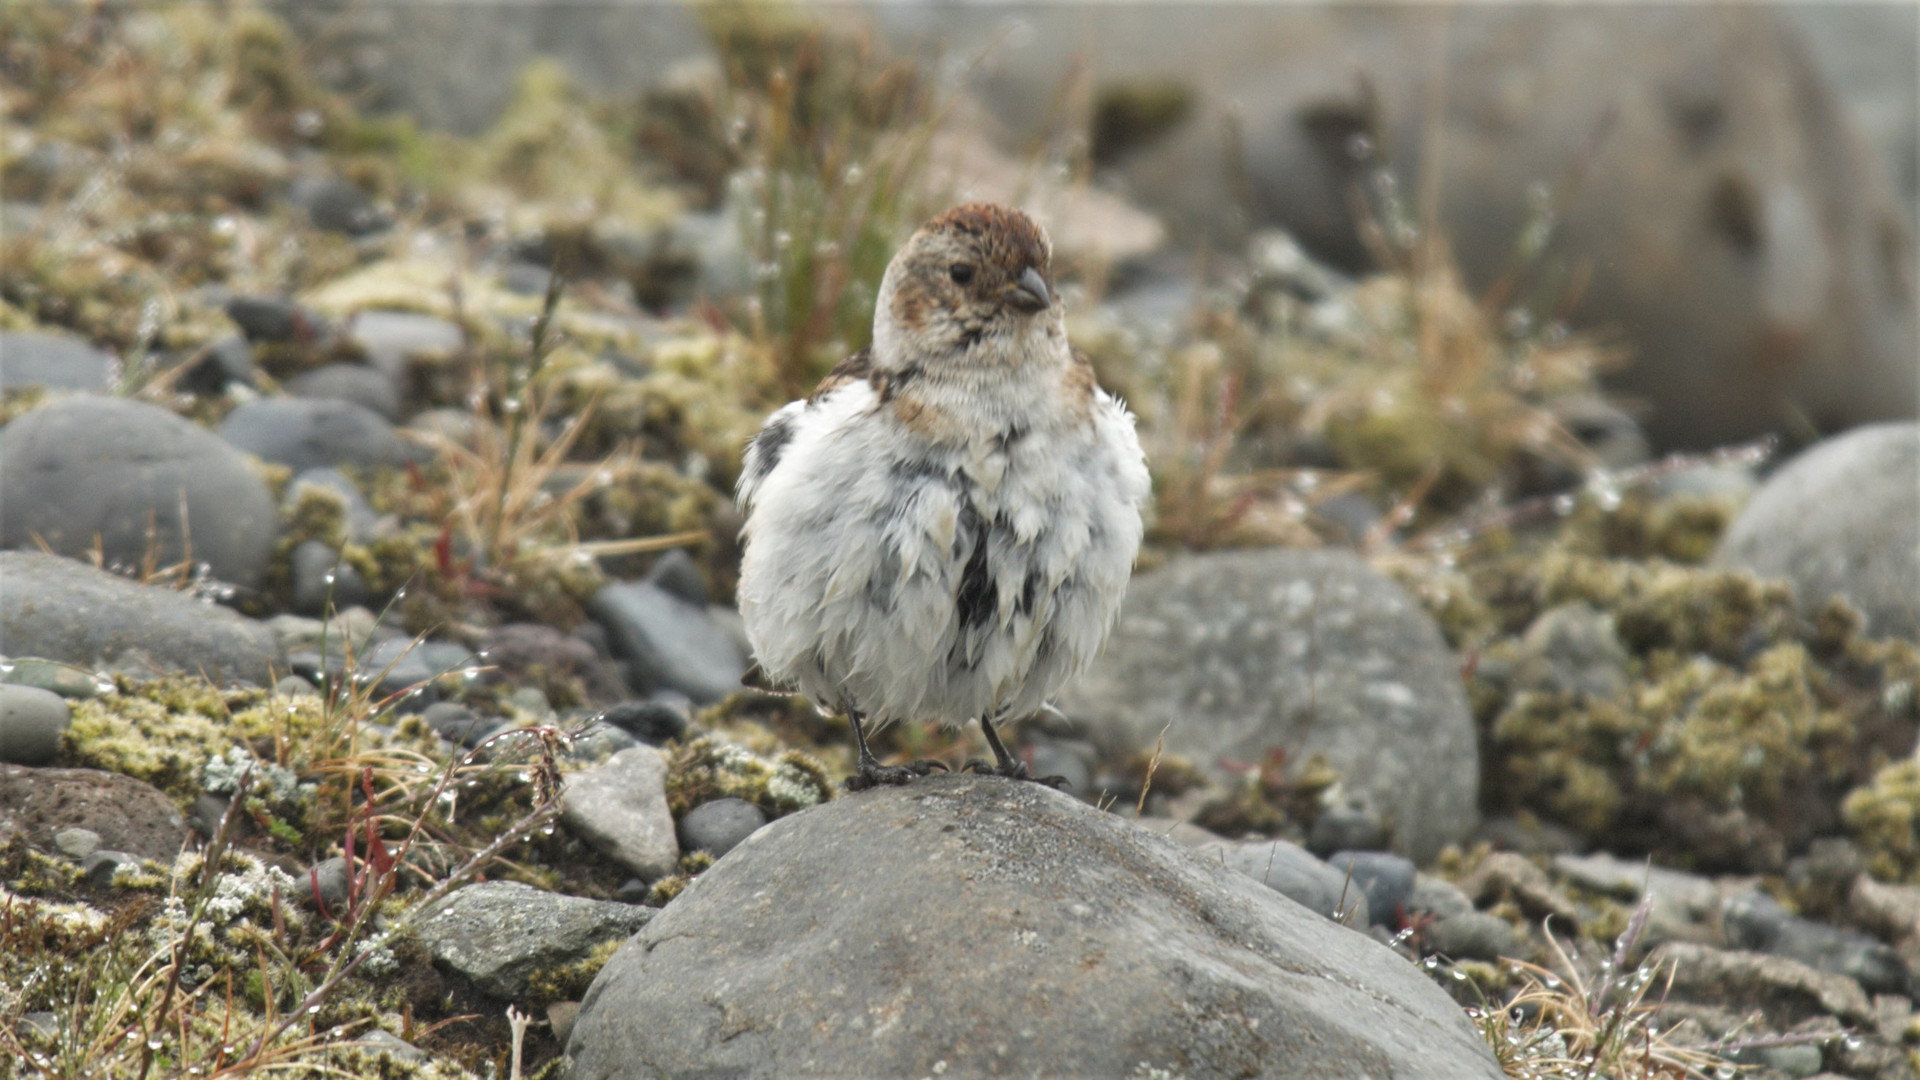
[972, 287]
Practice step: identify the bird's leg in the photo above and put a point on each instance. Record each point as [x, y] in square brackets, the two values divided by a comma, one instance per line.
[868, 772]
[1005, 764]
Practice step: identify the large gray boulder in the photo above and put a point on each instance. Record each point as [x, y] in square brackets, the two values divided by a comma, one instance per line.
[107, 467]
[55, 361]
[980, 927]
[1306, 651]
[1843, 518]
[64, 610]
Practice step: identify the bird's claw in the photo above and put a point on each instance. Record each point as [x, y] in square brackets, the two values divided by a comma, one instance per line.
[1015, 770]
[870, 773]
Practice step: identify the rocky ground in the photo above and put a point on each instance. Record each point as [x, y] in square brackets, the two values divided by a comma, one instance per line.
[370, 697]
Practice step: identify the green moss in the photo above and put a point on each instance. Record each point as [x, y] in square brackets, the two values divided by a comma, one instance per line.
[706, 768]
[569, 982]
[1884, 818]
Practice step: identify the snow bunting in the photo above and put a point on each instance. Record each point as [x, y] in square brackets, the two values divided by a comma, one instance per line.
[944, 530]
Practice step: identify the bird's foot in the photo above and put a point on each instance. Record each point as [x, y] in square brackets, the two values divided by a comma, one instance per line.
[1015, 770]
[870, 773]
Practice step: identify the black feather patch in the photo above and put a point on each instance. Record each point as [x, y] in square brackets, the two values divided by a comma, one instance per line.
[977, 599]
[767, 446]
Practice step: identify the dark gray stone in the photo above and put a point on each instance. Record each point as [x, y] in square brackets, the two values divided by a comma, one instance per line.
[1474, 935]
[676, 573]
[64, 679]
[329, 881]
[521, 653]
[668, 643]
[620, 810]
[108, 467]
[55, 361]
[1754, 921]
[1843, 518]
[1385, 878]
[1310, 651]
[366, 387]
[31, 723]
[1347, 825]
[1092, 949]
[334, 205]
[458, 724]
[1438, 897]
[526, 279]
[225, 362]
[1785, 992]
[68, 611]
[100, 866]
[126, 814]
[1294, 873]
[275, 320]
[391, 338]
[598, 743]
[307, 433]
[499, 934]
[1072, 762]
[208, 811]
[321, 582]
[652, 721]
[1686, 907]
[716, 827]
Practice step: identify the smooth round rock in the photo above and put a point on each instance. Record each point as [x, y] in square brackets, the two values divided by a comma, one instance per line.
[55, 361]
[364, 386]
[1385, 878]
[972, 926]
[391, 339]
[322, 582]
[716, 827]
[1310, 652]
[1842, 519]
[1474, 935]
[108, 467]
[31, 723]
[307, 433]
[76, 843]
[65, 610]
[126, 815]
[669, 643]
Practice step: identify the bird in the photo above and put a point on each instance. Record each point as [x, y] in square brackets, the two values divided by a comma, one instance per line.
[943, 531]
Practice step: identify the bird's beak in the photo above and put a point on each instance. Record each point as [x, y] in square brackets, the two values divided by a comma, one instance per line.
[1030, 292]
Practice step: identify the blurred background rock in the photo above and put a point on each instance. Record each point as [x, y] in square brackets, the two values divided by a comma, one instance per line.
[1730, 191]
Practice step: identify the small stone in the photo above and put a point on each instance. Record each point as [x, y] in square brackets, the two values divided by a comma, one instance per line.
[360, 515]
[307, 433]
[73, 683]
[224, 363]
[632, 891]
[32, 721]
[334, 205]
[100, 866]
[76, 843]
[715, 827]
[330, 881]
[1532, 837]
[500, 934]
[560, 1018]
[1572, 649]
[1786, 991]
[1438, 897]
[1506, 875]
[676, 573]
[532, 701]
[598, 743]
[1293, 872]
[364, 386]
[378, 1041]
[1351, 825]
[670, 643]
[208, 811]
[523, 278]
[295, 686]
[273, 319]
[1387, 880]
[1794, 1061]
[653, 721]
[620, 809]
[55, 361]
[458, 723]
[322, 582]
[390, 339]
[1072, 762]
[42, 1025]
[1754, 921]
[1474, 935]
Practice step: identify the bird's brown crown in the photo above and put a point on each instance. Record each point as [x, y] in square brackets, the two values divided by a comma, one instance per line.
[1004, 235]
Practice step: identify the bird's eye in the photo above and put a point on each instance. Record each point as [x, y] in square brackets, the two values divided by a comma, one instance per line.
[961, 273]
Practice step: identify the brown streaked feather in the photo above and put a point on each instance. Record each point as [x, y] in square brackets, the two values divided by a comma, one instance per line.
[853, 369]
[1080, 383]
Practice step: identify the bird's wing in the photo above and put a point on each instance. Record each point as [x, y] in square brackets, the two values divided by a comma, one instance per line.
[764, 452]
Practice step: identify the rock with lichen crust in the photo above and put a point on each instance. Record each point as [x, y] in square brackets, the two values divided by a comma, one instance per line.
[981, 927]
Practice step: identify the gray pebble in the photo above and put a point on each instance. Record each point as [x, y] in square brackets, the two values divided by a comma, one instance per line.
[1438, 897]
[100, 866]
[715, 827]
[328, 878]
[676, 573]
[1474, 935]
[653, 721]
[364, 386]
[64, 679]
[322, 582]
[76, 843]
[295, 686]
[457, 723]
[378, 1041]
[31, 723]
[1387, 879]
[1347, 826]
[1052, 758]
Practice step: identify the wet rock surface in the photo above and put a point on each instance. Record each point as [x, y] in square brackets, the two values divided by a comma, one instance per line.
[668, 642]
[64, 610]
[1842, 519]
[1307, 651]
[502, 934]
[620, 808]
[124, 814]
[107, 467]
[31, 723]
[787, 958]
